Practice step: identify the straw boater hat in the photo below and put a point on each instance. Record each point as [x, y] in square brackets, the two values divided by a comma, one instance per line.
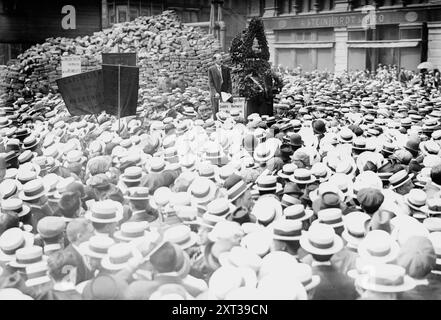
[434, 206]
[27, 256]
[138, 193]
[181, 235]
[387, 278]
[303, 272]
[9, 188]
[378, 247]
[297, 212]
[399, 178]
[302, 176]
[355, 228]
[97, 246]
[258, 242]
[107, 211]
[287, 171]
[202, 190]
[12, 240]
[32, 190]
[321, 239]
[331, 216]
[264, 152]
[268, 183]
[240, 257]
[286, 230]
[416, 199]
[118, 256]
[132, 175]
[16, 206]
[135, 230]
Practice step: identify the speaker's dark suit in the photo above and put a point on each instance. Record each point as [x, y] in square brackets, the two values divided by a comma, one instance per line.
[218, 83]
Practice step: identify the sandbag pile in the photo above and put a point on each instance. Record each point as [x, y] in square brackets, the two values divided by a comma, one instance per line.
[166, 49]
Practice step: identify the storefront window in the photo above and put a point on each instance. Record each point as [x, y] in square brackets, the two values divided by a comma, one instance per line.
[387, 32]
[325, 35]
[286, 58]
[286, 36]
[358, 35]
[410, 33]
[410, 58]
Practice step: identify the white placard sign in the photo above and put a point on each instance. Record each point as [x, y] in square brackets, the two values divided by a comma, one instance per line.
[70, 65]
[239, 104]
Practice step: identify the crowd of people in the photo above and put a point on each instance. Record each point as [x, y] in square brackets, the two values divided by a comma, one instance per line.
[337, 196]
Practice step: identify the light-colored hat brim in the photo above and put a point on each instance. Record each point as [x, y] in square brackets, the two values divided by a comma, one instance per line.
[23, 197]
[363, 282]
[118, 216]
[149, 236]
[17, 265]
[106, 264]
[351, 239]
[403, 183]
[37, 281]
[392, 255]
[84, 247]
[312, 180]
[191, 241]
[205, 199]
[336, 247]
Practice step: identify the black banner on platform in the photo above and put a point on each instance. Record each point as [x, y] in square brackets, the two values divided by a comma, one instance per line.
[124, 59]
[120, 85]
[83, 93]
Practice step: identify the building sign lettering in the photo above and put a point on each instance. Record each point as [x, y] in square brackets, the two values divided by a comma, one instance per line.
[367, 19]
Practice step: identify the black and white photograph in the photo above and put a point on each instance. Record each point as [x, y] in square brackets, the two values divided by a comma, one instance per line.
[220, 150]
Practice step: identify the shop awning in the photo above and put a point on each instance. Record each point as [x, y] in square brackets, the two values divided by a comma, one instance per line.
[372, 44]
[305, 45]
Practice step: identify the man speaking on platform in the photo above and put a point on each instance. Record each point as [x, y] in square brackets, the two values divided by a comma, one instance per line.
[219, 80]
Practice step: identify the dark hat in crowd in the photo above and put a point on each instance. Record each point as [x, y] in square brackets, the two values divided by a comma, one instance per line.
[170, 258]
[417, 256]
[319, 126]
[370, 199]
[296, 140]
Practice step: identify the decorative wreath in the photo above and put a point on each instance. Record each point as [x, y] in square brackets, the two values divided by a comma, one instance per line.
[251, 70]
